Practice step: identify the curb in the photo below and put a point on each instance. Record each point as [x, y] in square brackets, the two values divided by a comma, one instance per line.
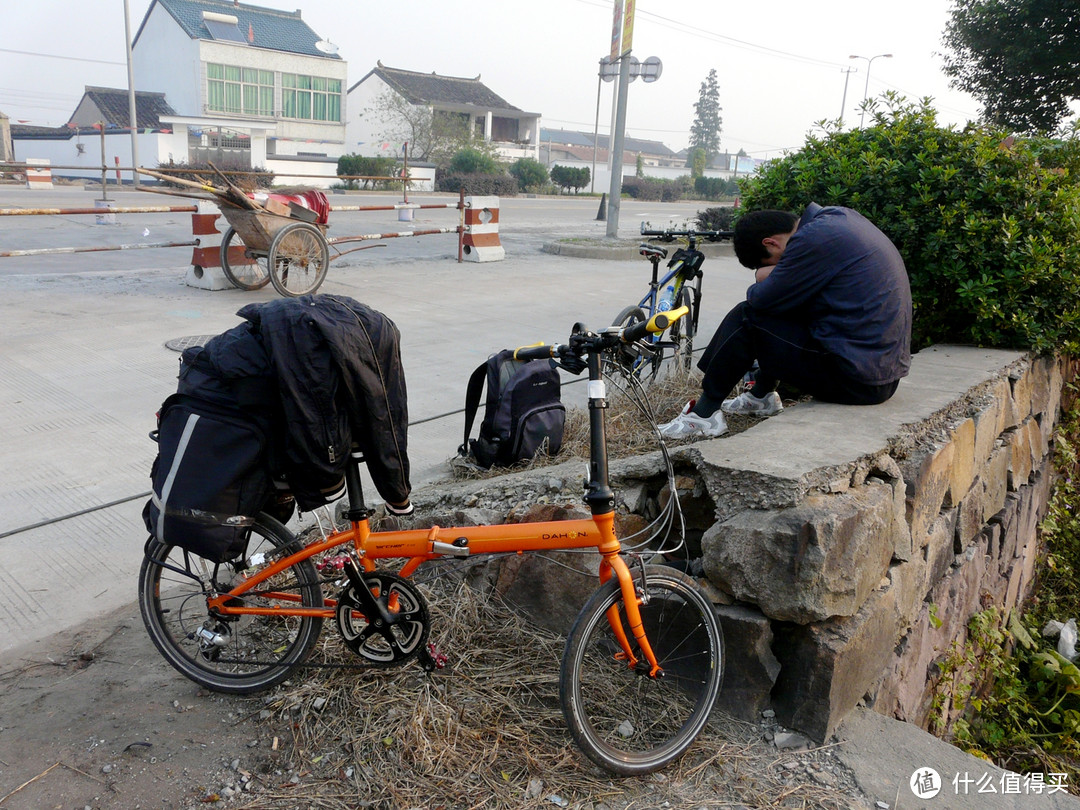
[624, 250]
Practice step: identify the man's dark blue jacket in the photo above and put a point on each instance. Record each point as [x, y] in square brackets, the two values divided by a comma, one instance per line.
[842, 276]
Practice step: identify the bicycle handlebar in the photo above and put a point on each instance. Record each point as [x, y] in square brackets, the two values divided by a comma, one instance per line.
[594, 342]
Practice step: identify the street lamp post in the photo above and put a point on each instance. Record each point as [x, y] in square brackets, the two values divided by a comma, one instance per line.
[866, 87]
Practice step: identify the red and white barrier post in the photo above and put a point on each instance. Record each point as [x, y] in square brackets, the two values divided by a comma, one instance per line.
[38, 173]
[205, 272]
[480, 239]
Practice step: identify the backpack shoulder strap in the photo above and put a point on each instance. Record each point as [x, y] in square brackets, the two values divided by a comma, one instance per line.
[472, 402]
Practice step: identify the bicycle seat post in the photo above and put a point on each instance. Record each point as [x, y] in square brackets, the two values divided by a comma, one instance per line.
[357, 510]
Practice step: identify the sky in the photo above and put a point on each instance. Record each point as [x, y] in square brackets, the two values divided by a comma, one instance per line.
[780, 71]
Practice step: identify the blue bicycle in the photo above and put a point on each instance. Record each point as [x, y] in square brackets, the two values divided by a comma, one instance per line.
[680, 286]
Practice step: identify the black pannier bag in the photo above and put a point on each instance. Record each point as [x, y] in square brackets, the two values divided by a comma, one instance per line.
[524, 411]
[210, 478]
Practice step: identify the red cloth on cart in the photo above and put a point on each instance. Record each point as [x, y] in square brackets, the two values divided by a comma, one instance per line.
[312, 199]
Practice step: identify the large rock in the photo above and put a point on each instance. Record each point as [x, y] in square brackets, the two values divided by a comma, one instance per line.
[813, 561]
[750, 668]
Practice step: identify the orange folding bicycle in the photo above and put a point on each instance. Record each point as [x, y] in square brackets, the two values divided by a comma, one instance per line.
[643, 662]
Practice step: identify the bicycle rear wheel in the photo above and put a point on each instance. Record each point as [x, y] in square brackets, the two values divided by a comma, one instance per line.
[682, 331]
[624, 720]
[237, 654]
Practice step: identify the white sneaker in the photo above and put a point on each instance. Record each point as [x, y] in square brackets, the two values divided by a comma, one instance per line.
[749, 405]
[688, 424]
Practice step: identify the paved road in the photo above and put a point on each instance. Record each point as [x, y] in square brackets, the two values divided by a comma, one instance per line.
[83, 363]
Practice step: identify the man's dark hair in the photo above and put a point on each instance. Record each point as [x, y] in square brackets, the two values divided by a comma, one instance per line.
[755, 226]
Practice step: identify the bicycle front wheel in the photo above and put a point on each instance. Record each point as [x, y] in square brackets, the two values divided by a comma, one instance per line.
[242, 269]
[624, 720]
[237, 654]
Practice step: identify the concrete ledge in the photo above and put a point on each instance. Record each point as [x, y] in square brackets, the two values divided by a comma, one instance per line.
[624, 250]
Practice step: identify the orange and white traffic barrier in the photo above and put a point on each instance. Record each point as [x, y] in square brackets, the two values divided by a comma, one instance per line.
[38, 173]
[480, 239]
[205, 272]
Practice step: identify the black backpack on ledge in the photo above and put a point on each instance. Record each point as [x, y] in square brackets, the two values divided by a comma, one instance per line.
[524, 408]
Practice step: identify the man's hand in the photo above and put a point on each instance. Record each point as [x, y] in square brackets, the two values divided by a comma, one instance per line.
[762, 273]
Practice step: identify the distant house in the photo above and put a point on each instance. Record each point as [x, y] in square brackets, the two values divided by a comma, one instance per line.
[569, 145]
[251, 86]
[513, 132]
[241, 85]
[99, 132]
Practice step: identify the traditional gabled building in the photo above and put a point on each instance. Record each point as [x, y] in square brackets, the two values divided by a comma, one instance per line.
[369, 132]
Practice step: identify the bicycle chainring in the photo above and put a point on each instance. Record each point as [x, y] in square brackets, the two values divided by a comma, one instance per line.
[379, 642]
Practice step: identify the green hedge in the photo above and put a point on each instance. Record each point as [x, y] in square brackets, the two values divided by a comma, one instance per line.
[501, 185]
[653, 188]
[988, 225]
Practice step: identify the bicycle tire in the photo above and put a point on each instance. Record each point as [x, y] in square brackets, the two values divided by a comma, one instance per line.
[682, 332]
[255, 277]
[623, 720]
[299, 259]
[247, 653]
[628, 359]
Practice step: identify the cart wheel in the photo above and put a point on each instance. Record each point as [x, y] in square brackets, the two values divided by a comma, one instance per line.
[299, 257]
[252, 273]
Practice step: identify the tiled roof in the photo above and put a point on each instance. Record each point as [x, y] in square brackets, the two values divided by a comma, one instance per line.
[267, 27]
[635, 145]
[113, 105]
[431, 88]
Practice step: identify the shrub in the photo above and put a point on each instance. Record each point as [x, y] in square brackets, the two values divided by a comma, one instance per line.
[990, 237]
[368, 167]
[530, 174]
[715, 188]
[202, 173]
[721, 218]
[500, 185]
[570, 177]
[473, 161]
[652, 188]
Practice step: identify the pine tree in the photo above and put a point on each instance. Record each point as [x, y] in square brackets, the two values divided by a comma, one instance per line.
[705, 131]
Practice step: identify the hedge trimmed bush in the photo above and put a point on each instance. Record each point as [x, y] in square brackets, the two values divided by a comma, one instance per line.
[652, 188]
[715, 188]
[500, 185]
[473, 161]
[988, 225]
[368, 167]
[529, 173]
[721, 218]
[570, 177]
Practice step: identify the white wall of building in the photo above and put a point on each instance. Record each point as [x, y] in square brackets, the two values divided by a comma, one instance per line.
[363, 130]
[153, 149]
[166, 60]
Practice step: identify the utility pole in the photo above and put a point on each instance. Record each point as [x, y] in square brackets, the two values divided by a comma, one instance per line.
[843, 103]
[616, 141]
[133, 121]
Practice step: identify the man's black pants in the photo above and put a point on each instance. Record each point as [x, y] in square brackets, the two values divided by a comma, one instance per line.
[784, 350]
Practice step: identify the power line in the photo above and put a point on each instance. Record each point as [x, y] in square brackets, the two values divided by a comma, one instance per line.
[58, 56]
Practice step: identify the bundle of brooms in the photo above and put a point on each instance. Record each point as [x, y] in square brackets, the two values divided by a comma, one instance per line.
[227, 193]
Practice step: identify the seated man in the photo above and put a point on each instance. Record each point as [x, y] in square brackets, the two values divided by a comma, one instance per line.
[829, 313]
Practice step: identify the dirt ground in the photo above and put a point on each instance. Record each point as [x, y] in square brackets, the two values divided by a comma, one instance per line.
[96, 719]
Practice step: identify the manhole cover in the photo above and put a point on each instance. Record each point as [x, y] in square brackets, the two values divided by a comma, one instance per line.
[179, 344]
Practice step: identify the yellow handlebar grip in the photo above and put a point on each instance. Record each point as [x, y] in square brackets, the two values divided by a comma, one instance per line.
[662, 320]
[530, 346]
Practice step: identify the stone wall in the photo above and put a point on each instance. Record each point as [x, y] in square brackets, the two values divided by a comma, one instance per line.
[846, 548]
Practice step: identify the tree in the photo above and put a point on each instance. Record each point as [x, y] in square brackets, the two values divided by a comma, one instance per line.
[529, 173]
[473, 161]
[1020, 58]
[432, 135]
[568, 177]
[705, 131]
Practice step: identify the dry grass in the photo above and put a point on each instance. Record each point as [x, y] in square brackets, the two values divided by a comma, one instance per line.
[629, 430]
[487, 732]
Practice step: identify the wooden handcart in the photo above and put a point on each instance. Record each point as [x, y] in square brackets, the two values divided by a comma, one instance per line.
[284, 250]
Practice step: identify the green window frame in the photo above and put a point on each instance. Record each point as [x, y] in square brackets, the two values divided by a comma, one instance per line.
[310, 98]
[237, 90]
